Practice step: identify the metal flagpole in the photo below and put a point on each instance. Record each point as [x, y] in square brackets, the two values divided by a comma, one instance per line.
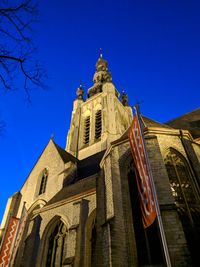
[160, 223]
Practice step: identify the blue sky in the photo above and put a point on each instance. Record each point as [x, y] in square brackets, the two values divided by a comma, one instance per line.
[153, 51]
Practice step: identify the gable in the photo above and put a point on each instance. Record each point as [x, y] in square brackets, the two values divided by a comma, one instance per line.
[53, 159]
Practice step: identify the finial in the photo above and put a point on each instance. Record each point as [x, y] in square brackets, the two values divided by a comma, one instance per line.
[52, 137]
[100, 53]
[124, 98]
[80, 91]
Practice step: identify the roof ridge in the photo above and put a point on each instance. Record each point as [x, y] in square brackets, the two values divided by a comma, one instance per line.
[63, 153]
[155, 121]
[183, 115]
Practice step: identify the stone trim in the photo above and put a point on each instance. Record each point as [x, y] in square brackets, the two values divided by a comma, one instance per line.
[70, 199]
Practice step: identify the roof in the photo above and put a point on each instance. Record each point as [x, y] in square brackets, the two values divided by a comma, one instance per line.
[147, 122]
[90, 165]
[85, 178]
[189, 121]
[65, 155]
[74, 189]
[152, 123]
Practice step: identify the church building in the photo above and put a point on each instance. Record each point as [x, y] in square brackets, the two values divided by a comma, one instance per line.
[80, 206]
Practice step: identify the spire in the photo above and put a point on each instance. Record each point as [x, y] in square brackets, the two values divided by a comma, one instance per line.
[102, 74]
[101, 64]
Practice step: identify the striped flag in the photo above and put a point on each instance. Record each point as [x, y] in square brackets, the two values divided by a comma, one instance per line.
[8, 241]
[19, 234]
[138, 149]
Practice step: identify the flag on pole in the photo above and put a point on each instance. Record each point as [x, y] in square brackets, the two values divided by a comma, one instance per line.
[143, 177]
[19, 234]
[8, 241]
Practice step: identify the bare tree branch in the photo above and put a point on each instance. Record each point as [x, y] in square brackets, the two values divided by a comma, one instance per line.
[6, 32]
[4, 82]
[15, 9]
[16, 45]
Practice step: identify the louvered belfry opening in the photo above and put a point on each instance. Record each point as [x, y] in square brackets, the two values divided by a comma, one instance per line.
[98, 124]
[87, 130]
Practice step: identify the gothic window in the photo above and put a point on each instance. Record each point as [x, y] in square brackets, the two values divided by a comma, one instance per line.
[86, 130]
[180, 179]
[98, 124]
[43, 182]
[185, 195]
[55, 245]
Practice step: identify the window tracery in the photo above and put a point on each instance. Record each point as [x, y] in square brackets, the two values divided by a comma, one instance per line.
[184, 191]
[180, 178]
[56, 243]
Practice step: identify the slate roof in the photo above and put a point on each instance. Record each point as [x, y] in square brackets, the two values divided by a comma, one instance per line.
[189, 121]
[90, 165]
[65, 155]
[74, 189]
[152, 123]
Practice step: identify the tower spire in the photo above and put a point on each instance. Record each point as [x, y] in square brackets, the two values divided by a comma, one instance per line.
[101, 75]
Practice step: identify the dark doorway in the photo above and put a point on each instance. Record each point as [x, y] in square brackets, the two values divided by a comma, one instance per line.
[149, 250]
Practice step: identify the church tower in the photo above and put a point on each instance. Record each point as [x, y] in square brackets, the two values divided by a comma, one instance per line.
[80, 206]
[101, 118]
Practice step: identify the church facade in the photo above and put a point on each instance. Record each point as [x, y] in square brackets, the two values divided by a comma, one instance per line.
[81, 203]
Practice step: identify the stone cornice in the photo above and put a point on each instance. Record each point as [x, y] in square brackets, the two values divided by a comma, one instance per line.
[76, 197]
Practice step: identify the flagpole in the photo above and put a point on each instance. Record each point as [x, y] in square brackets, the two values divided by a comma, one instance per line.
[160, 223]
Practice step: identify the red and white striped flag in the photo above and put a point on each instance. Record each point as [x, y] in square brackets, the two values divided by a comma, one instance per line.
[19, 234]
[8, 241]
[137, 143]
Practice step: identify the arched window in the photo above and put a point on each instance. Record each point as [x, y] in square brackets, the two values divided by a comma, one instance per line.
[43, 182]
[86, 130]
[185, 194]
[180, 178]
[56, 243]
[91, 241]
[98, 124]
[93, 244]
